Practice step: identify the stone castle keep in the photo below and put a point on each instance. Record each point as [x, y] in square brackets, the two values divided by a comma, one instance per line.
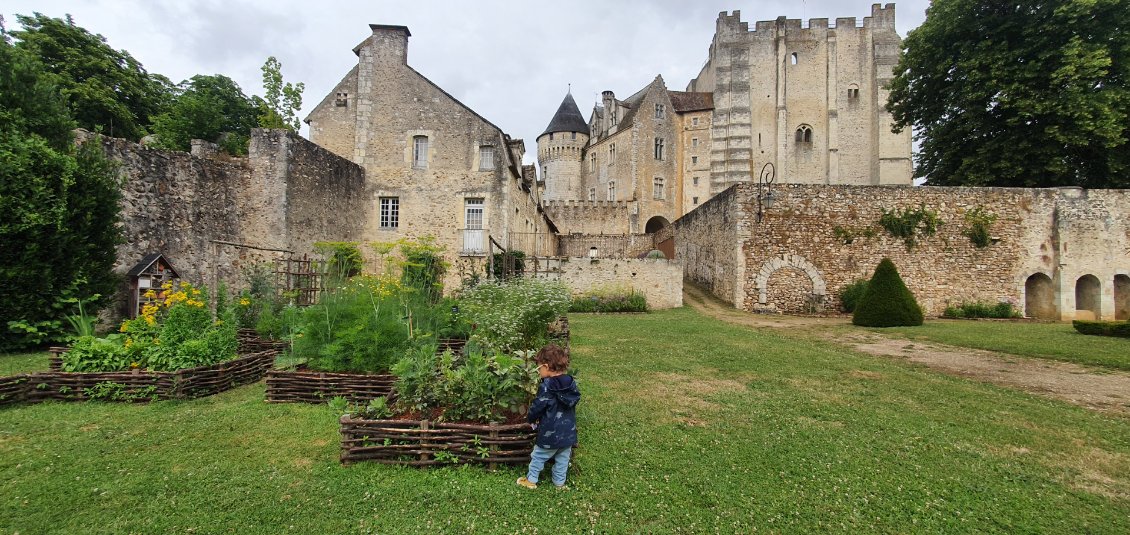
[392, 155]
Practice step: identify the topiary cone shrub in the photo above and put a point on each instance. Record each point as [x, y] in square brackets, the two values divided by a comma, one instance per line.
[887, 301]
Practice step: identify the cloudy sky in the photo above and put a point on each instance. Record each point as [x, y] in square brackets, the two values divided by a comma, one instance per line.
[510, 61]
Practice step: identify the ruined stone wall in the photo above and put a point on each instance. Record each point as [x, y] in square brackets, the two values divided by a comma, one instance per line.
[589, 217]
[607, 245]
[708, 243]
[660, 281]
[831, 235]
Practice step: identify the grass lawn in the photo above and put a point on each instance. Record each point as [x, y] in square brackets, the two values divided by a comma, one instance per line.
[1056, 341]
[687, 424]
[16, 363]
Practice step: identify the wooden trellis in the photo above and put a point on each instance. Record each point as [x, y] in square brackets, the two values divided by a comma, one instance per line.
[301, 279]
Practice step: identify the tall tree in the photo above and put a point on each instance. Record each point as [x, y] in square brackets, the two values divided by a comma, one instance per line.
[282, 101]
[212, 108]
[108, 90]
[59, 206]
[1010, 93]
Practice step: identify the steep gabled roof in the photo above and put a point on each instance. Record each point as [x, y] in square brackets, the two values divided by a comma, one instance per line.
[568, 118]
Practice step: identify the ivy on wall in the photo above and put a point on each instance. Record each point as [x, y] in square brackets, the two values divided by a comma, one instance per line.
[910, 223]
[977, 224]
[850, 234]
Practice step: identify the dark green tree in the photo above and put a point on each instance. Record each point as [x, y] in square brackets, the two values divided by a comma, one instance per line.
[58, 207]
[107, 90]
[279, 108]
[887, 302]
[1009, 93]
[212, 108]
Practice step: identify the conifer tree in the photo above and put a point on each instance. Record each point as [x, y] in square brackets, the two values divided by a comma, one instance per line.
[887, 302]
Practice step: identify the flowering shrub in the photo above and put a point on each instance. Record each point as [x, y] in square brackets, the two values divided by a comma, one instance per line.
[612, 299]
[512, 315]
[177, 332]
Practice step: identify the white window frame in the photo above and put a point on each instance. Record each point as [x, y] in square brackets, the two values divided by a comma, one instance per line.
[389, 212]
[420, 147]
[486, 158]
[592, 194]
[612, 190]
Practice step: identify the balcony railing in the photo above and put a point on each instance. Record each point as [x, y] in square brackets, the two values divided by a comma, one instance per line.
[474, 241]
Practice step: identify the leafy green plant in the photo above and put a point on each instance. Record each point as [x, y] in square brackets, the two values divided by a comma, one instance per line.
[1120, 329]
[909, 223]
[849, 234]
[112, 391]
[887, 301]
[476, 386]
[423, 268]
[981, 309]
[343, 259]
[82, 323]
[608, 300]
[512, 315]
[510, 264]
[977, 224]
[851, 293]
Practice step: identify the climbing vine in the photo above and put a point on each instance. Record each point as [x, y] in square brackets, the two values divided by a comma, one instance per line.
[909, 223]
[977, 223]
[849, 234]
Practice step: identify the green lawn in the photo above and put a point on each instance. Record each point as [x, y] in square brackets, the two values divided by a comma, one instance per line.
[687, 425]
[1056, 341]
[16, 363]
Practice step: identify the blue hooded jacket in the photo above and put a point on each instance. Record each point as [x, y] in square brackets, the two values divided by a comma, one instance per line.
[555, 410]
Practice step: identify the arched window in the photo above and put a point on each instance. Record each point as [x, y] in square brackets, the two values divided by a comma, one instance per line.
[804, 134]
[420, 152]
[794, 58]
[853, 92]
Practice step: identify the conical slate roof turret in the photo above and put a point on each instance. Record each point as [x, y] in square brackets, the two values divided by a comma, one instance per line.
[568, 118]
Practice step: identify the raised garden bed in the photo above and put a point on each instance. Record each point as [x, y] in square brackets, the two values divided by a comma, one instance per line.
[426, 443]
[310, 386]
[136, 385]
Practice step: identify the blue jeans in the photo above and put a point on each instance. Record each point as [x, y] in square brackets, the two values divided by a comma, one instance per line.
[560, 458]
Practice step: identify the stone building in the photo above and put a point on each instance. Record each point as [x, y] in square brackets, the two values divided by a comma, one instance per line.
[808, 99]
[432, 166]
[1059, 253]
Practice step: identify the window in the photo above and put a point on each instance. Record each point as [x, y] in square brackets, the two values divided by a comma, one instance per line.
[658, 148]
[551, 136]
[474, 212]
[613, 116]
[592, 194]
[694, 121]
[342, 100]
[694, 200]
[804, 134]
[794, 58]
[657, 188]
[390, 212]
[694, 160]
[420, 152]
[611, 153]
[660, 111]
[592, 162]
[853, 93]
[574, 134]
[696, 180]
[612, 191]
[694, 141]
[486, 158]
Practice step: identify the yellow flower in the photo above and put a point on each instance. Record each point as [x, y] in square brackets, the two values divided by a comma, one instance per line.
[125, 325]
[243, 301]
[133, 365]
[149, 294]
[129, 342]
[195, 291]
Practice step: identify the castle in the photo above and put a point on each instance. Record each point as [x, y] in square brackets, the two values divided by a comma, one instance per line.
[810, 101]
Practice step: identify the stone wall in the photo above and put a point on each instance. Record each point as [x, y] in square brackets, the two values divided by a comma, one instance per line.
[832, 235]
[607, 245]
[589, 217]
[708, 242]
[661, 281]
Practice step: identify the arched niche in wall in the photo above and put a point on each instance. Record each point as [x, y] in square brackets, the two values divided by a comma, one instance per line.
[1039, 297]
[1088, 296]
[803, 301]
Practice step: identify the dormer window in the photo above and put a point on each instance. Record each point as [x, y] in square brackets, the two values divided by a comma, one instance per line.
[613, 116]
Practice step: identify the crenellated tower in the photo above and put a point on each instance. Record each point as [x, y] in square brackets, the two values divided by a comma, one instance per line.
[560, 150]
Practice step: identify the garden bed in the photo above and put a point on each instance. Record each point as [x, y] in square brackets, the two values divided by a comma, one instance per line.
[426, 443]
[136, 385]
[312, 386]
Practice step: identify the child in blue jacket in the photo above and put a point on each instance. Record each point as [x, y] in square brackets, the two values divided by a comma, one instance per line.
[554, 415]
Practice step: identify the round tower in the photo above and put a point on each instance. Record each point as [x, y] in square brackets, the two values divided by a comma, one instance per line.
[559, 152]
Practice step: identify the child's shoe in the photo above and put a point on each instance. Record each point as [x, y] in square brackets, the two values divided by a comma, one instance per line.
[523, 482]
[562, 487]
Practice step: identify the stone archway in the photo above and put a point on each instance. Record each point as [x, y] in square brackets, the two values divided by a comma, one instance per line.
[1039, 297]
[655, 224]
[1088, 296]
[796, 300]
[1121, 297]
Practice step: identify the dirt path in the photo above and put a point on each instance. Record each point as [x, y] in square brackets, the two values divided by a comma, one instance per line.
[1098, 389]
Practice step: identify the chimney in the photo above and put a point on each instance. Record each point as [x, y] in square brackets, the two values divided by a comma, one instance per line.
[390, 42]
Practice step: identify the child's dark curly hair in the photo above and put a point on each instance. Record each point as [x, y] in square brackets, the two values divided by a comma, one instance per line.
[553, 356]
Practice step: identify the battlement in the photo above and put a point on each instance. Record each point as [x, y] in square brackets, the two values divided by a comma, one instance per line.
[882, 17]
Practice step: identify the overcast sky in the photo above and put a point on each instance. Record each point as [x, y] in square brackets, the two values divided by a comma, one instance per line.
[510, 61]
